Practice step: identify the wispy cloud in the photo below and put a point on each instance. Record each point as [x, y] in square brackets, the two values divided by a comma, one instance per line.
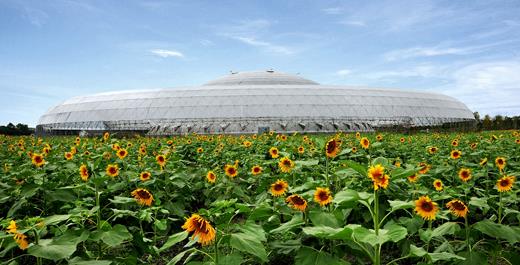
[343, 72]
[35, 16]
[357, 23]
[440, 50]
[267, 45]
[167, 53]
[490, 87]
[333, 10]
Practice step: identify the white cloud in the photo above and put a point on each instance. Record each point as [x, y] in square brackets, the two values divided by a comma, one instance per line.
[490, 88]
[357, 23]
[343, 72]
[269, 46]
[206, 42]
[333, 10]
[167, 53]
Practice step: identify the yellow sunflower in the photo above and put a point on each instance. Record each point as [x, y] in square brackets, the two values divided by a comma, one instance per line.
[332, 147]
[231, 170]
[273, 151]
[505, 183]
[143, 196]
[426, 208]
[83, 172]
[256, 170]
[211, 177]
[301, 150]
[455, 143]
[122, 153]
[201, 229]
[500, 162]
[106, 135]
[483, 162]
[364, 142]
[37, 160]
[247, 144]
[144, 176]
[21, 240]
[402, 140]
[12, 228]
[161, 160]
[437, 184]
[379, 178]
[297, 202]
[200, 150]
[68, 155]
[413, 178]
[458, 208]
[424, 168]
[379, 138]
[455, 154]
[286, 165]
[112, 170]
[279, 188]
[473, 145]
[517, 141]
[322, 196]
[465, 174]
[354, 149]
[432, 150]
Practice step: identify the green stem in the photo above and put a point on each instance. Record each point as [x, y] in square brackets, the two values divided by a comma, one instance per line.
[216, 246]
[327, 172]
[500, 207]
[393, 261]
[467, 234]
[377, 250]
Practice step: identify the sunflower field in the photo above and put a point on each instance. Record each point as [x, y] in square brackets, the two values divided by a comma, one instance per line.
[349, 198]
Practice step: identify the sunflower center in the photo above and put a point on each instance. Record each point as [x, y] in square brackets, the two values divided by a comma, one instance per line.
[427, 206]
[504, 182]
[112, 170]
[331, 146]
[458, 206]
[38, 159]
[287, 163]
[143, 194]
[465, 174]
[323, 196]
[297, 201]
[231, 170]
[278, 187]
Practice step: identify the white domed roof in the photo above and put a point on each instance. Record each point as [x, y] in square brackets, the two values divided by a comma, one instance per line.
[268, 77]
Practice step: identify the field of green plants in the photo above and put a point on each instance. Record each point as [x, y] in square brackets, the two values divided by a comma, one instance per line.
[349, 198]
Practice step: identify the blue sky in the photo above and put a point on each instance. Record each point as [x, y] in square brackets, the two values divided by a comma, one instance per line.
[56, 49]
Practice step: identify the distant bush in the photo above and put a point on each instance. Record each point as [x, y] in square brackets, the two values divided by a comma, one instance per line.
[19, 129]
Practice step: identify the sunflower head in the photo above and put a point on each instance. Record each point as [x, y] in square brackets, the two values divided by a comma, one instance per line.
[301, 149]
[122, 153]
[424, 168]
[437, 184]
[322, 196]
[161, 160]
[483, 162]
[379, 137]
[12, 228]
[402, 140]
[413, 178]
[112, 170]
[231, 170]
[354, 149]
[286, 165]
[273, 151]
[426, 208]
[143, 196]
[500, 162]
[279, 188]
[247, 144]
[69, 155]
[297, 202]
[201, 229]
[37, 160]
[200, 150]
[255, 170]
[379, 178]
[332, 147]
[211, 177]
[364, 142]
[505, 184]
[473, 145]
[455, 154]
[455, 143]
[432, 150]
[21, 240]
[106, 135]
[465, 174]
[83, 172]
[144, 176]
[458, 208]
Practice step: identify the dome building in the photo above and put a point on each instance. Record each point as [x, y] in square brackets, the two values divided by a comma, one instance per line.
[251, 102]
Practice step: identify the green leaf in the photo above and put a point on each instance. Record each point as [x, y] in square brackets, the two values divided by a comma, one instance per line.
[296, 221]
[55, 219]
[449, 228]
[307, 163]
[179, 256]
[248, 244]
[357, 167]
[114, 236]
[79, 261]
[254, 230]
[122, 200]
[480, 203]
[48, 249]
[417, 251]
[434, 257]
[399, 173]
[397, 205]
[393, 233]
[311, 256]
[232, 259]
[381, 161]
[174, 239]
[498, 230]
[320, 218]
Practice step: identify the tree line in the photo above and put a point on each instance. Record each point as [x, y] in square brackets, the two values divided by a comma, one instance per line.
[18, 129]
[498, 122]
